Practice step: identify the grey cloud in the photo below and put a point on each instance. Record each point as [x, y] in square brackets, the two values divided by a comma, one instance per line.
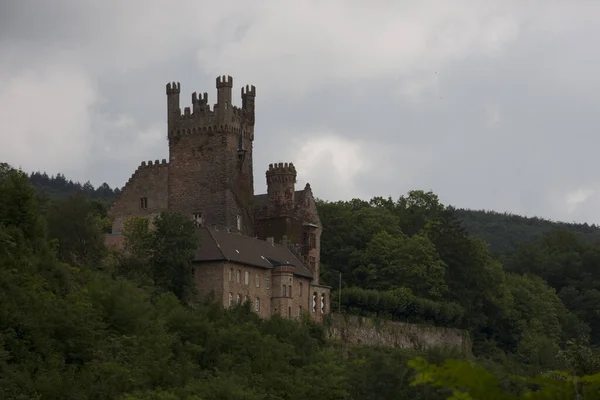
[504, 122]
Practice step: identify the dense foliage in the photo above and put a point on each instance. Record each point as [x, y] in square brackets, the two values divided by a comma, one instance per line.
[80, 321]
[413, 260]
[98, 324]
[59, 187]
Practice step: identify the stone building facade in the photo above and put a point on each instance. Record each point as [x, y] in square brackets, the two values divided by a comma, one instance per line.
[260, 248]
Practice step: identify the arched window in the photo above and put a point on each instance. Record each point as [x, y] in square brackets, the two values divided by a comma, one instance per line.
[246, 277]
[257, 305]
[322, 303]
[299, 289]
[239, 298]
[230, 299]
[257, 279]
[314, 302]
[230, 274]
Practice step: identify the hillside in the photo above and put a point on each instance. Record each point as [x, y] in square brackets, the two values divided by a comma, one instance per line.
[504, 231]
[82, 321]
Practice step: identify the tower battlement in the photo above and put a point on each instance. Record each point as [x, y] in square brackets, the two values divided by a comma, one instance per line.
[280, 173]
[224, 116]
[173, 88]
[224, 81]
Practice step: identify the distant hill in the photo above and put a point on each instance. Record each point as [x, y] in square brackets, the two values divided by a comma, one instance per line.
[58, 187]
[502, 230]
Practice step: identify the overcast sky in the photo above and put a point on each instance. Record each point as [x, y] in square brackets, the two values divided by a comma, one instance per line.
[490, 104]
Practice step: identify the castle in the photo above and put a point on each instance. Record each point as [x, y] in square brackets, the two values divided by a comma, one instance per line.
[260, 248]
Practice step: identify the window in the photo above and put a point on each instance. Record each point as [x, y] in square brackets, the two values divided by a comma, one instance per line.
[239, 222]
[299, 289]
[322, 303]
[246, 299]
[283, 290]
[257, 305]
[198, 219]
[241, 142]
[239, 276]
[246, 277]
[144, 202]
[239, 298]
[230, 274]
[299, 311]
[314, 302]
[257, 279]
[312, 241]
[290, 290]
[230, 299]
[267, 282]
[312, 263]
[289, 312]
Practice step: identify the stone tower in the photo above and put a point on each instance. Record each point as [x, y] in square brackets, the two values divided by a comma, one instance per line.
[210, 174]
[281, 179]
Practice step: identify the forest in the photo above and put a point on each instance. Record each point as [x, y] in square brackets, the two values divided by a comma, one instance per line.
[80, 321]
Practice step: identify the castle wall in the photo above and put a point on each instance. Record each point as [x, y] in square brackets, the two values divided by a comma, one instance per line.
[357, 330]
[149, 181]
[319, 301]
[258, 285]
[306, 212]
[220, 279]
[208, 280]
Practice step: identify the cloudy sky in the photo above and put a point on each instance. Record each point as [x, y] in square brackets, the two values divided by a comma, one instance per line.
[490, 104]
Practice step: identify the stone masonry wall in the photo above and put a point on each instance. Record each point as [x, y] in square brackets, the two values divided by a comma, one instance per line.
[306, 212]
[210, 157]
[148, 181]
[255, 287]
[357, 330]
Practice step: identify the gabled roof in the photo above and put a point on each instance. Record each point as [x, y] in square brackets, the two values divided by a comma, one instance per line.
[219, 245]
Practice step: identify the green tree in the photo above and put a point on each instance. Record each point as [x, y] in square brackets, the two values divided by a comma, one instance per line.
[78, 226]
[163, 251]
[391, 262]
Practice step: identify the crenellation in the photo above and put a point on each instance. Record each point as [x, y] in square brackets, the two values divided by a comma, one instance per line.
[173, 88]
[224, 81]
[200, 98]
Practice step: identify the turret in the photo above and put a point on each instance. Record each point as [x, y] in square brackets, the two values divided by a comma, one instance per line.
[282, 295]
[224, 88]
[248, 100]
[173, 110]
[281, 178]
